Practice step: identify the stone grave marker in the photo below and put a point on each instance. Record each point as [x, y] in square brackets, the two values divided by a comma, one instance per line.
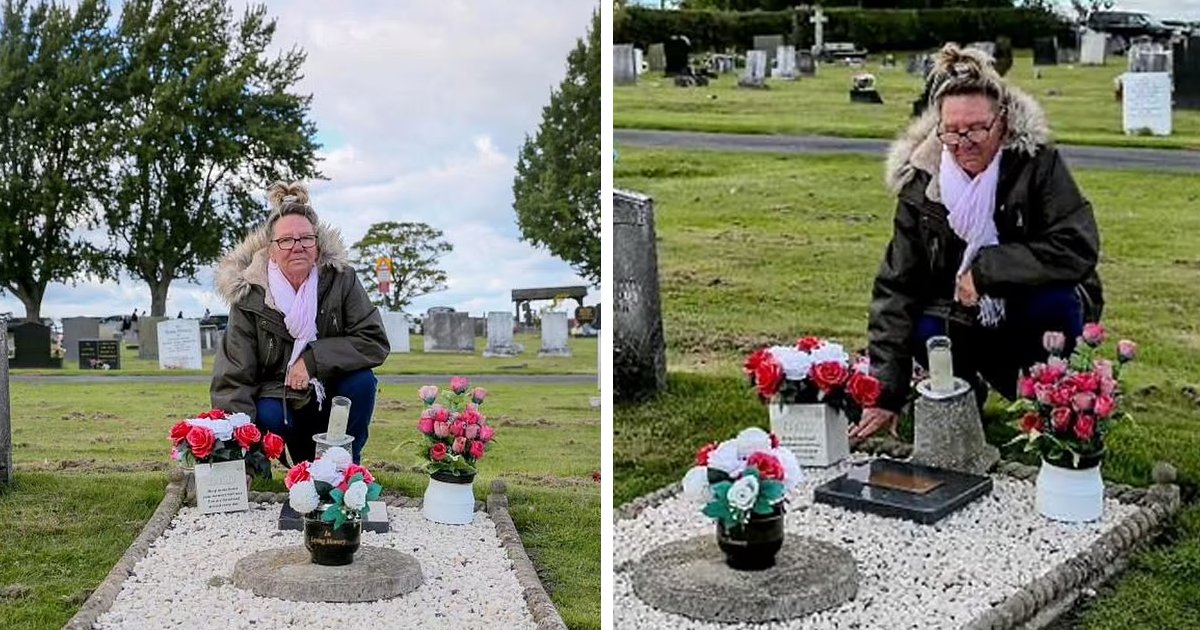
[818, 20]
[656, 58]
[639, 349]
[722, 64]
[639, 60]
[1045, 51]
[210, 338]
[31, 346]
[900, 489]
[99, 354]
[6, 471]
[677, 49]
[500, 335]
[148, 337]
[179, 344]
[756, 70]
[785, 63]
[397, 327]
[1003, 55]
[1146, 102]
[988, 48]
[806, 63]
[769, 44]
[1093, 47]
[554, 335]
[76, 328]
[624, 70]
[863, 90]
[449, 332]
[1186, 75]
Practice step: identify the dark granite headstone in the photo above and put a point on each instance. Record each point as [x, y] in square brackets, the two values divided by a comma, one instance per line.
[866, 96]
[639, 349]
[899, 489]
[1187, 74]
[1004, 55]
[1045, 51]
[676, 49]
[769, 44]
[31, 347]
[99, 354]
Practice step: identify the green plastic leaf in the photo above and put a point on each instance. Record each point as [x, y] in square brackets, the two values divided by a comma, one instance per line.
[330, 514]
[337, 495]
[373, 491]
[356, 477]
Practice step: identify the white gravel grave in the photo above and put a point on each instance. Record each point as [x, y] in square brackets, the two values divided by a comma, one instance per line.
[185, 581]
[915, 576]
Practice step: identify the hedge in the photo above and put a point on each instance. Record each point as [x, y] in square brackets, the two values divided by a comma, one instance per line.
[876, 30]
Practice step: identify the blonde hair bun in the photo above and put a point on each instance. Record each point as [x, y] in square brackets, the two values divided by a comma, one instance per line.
[280, 192]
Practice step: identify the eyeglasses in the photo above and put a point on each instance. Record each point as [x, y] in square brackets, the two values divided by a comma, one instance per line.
[974, 135]
[288, 242]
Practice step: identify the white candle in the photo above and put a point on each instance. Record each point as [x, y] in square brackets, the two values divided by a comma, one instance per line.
[941, 365]
[339, 417]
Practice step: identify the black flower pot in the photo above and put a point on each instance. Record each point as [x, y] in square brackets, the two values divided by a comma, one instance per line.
[329, 546]
[752, 547]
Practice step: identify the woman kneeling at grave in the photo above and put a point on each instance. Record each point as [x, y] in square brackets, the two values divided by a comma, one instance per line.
[993, 244]
[301, 328]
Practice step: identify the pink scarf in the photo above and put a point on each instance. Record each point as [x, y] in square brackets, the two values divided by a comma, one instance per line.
[299, 310]
[972, 204]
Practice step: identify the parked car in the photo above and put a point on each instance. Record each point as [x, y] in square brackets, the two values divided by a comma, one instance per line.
[1124, 26]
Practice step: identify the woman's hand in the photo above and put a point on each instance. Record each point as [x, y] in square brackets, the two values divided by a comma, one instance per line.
[872, 420]
[965, 290]
[297, 377]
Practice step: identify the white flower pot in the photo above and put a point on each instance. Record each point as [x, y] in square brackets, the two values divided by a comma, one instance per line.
[816, 434]
[449, 503]
[1072, 496]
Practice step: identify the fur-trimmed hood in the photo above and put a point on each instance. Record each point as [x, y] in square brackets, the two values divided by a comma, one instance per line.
[246, 265]
[918, 148]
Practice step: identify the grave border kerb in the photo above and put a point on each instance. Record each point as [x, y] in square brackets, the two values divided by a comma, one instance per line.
[541, 607]
[1037, 604]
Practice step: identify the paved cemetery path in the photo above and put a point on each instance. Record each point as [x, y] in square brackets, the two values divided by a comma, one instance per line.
[1077, 156]
[390, 379]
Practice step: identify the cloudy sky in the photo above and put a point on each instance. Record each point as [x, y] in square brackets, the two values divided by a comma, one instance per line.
[421, 107]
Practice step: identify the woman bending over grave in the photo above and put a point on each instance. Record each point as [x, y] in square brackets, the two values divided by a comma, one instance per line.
[993, 244]
[301, 328]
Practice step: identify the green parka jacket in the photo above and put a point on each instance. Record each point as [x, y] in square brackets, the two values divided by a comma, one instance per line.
[251, 362]
[1046, 229]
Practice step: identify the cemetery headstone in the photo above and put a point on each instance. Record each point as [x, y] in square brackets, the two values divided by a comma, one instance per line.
[1068, 55]
[915, 65]
[656, 58]
[624, 70]
[1003, 55]
[1149, 57]
[210, 336]
[31, 346]
[554, 335]
[806, 63]
[1045, 51]
[818, 21]
[639, 61]
[1146, 103]
[6, 471]
[889, 61]
[99, 354]
[179, 344]
[148, 337]
[677, 49]
[756, 70]
[785, 63]
[769, 44]
[1186, 75]
[989, 48]
[500, 335]
[722, 64]
[863, 90]
[1093, 47]
[639, 349]
[397, 327]
[479, 326]
[449, 332]
[76, 328]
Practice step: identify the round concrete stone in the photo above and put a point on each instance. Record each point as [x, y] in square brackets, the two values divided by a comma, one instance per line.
[690, 578]
[288, 573]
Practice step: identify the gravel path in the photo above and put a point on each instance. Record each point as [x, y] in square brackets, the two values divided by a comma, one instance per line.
[1076, 156]
[922, 577]
[184, 580]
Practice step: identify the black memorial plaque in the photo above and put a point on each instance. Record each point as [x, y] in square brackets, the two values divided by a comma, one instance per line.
[99, 354]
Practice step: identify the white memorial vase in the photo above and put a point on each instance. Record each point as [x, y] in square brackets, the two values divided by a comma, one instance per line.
[449, 499]
[815, 433]
[1070, 495]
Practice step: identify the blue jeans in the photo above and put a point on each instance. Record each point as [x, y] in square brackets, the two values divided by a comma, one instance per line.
[297, 426]
[997, 355]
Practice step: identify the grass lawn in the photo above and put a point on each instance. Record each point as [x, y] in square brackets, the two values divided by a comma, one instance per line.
[90, 471]
[758, 248]
[581, 361]
[1078, 99]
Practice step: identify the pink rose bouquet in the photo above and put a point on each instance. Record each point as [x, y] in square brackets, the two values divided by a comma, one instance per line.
[456, 435]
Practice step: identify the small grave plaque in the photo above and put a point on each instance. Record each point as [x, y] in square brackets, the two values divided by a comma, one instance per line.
[903, 490]
[99, 354]
[221, 487]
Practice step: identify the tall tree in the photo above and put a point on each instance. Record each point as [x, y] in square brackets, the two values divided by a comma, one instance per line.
[206, 122]
[54, 61]
[557, 186]
[414, 249]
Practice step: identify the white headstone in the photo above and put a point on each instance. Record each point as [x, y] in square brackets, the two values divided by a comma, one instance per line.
[624, 71]
[397, 327]
[500, 335]
[179, 345]
[221, 487]
[638, 57]
[785, 63]
[1146, 97]
[554, 335]
[818, 20]
[756, 65]
[1092, 48]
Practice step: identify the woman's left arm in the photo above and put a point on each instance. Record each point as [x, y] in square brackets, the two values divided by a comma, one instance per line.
[1064, 251]
[362, 344]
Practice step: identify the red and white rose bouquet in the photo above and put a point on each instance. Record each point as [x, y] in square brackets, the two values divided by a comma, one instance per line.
[216, 436]
[750, 474]
[333, 480]
[456, 434]
[813, 371]
[1066, 406]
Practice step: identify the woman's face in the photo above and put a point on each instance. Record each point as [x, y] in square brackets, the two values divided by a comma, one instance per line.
[972, 128]
[299, 260]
